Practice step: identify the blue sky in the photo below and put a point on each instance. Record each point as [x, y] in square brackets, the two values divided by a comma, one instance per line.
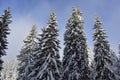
[26, 13]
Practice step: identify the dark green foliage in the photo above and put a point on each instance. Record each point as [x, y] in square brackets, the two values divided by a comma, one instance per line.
[4, 31]
[103, 56]
[48, 64]
[75, 60]
[26, 56]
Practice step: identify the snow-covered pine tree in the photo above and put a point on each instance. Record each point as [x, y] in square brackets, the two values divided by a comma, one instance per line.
[102, 65]
[48, 63]
[26, 57]
[117, 65]
[75, 60]
[9, 72]
[37, 56]
[4, 31]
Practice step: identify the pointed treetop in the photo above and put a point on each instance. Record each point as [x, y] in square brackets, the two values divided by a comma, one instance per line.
[99, 31]
[8, 9]
[52, 21]
[98, 22]
[6, 16]
[77, 17]
[32, 35]
[33, 31]
[97, 17]
[77, 11]
[53, 15]
[34, 28]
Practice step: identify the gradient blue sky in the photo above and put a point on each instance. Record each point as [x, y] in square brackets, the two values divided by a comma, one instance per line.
[26, 13]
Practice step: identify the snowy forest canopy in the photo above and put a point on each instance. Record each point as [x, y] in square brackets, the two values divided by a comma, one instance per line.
[39, 58]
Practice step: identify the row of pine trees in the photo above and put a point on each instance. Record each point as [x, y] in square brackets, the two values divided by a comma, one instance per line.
[39, 58]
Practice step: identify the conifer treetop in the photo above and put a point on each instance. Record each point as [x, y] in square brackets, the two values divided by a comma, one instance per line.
[98, 22]
[76, 19]
[99, 34]
[30, 38]
[76, 11]
[52, 21]
[6, 16]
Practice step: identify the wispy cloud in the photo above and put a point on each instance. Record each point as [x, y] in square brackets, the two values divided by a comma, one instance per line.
[20, 28]
[28, 12]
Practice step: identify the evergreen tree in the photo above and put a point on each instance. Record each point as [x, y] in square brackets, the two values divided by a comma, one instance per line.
[4, 31]
[117, 65]
[103, 59]
[10, 70]
[37, 56]
[48, 65]
[25, 58]
[75, 60]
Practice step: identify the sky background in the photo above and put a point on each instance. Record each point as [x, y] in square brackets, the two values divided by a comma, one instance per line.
[26, 13]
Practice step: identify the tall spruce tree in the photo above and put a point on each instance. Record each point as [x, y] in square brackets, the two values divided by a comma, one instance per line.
[48, 62]
[75, 60]
[26, 56]
[37, 56]
[103, 60]
[4, 31]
